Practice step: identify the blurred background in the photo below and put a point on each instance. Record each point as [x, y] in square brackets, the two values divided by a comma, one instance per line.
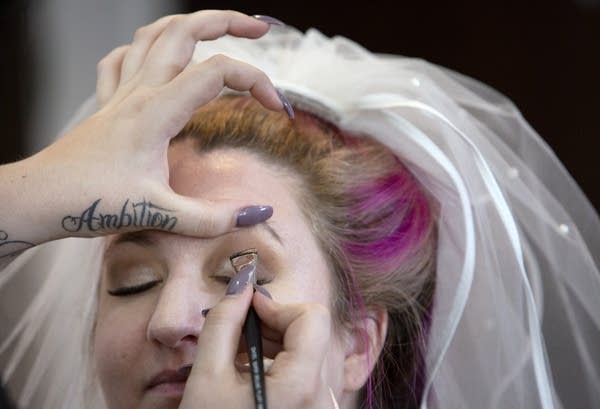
[544, 55]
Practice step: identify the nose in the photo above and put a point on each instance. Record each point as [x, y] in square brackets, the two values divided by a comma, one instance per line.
[177, 318]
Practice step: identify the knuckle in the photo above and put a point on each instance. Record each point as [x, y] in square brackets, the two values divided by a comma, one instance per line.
[137, 102]
[101, 66]
[260, 79]
[104, 63]
[172, 67]
[207, 226]
[261, 75]
[218, 60]
[141, 33]
[176, 24]
[178, 64]
[231, 14]
[319, 313]
[110, 58]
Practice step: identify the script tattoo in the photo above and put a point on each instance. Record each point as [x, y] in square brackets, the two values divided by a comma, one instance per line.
[140, 214]
[12, 248]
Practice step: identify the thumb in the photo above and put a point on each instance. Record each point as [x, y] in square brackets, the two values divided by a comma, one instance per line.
[206, 218]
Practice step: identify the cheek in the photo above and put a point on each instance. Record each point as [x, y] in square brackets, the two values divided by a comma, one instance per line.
[306, 277]
[118, 347]
[301, 287]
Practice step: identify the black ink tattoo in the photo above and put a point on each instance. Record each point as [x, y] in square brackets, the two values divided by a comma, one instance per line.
[13, 248]
[140, 214]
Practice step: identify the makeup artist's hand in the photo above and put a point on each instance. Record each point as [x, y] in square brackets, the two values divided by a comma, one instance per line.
[110, 173]
[295, 380]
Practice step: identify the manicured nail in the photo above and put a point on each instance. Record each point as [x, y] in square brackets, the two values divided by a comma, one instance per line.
[252, 215]
[204, 312]
[240, 280]
[263, 291]
[286, 105]
[269, 20]
[184, 371]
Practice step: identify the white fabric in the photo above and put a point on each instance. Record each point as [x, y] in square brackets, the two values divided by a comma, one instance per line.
[516, 320]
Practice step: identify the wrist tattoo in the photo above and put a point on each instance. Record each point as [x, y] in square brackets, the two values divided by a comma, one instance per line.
[12, 248]
[138, 214]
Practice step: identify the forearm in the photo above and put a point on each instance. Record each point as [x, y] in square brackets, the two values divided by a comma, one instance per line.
[27, 213]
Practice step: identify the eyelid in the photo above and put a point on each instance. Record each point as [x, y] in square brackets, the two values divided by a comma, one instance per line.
[132, 277]
[133, 289]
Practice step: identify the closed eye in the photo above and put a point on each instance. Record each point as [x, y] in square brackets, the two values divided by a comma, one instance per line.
[135, 289]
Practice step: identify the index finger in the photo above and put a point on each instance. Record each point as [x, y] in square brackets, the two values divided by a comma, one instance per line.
[173, 49]
[219, 339]
[205, 81]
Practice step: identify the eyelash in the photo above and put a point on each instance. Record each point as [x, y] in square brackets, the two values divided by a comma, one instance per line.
[227, 279]
[135, 289]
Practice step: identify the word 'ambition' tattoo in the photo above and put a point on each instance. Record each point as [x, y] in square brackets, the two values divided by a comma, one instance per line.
[12, 247]
[140, 214]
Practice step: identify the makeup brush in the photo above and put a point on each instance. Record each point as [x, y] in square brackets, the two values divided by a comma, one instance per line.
[241, 260]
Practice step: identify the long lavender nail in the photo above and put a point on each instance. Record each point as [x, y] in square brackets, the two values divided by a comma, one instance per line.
[269, 20]
[251, 215]
[240, 280]
[184, 371]
[286, 105]
[263, 291]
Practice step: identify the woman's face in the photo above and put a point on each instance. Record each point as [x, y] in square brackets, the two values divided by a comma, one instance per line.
[152, 332]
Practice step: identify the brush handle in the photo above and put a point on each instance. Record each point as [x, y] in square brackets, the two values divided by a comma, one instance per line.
[255, 358]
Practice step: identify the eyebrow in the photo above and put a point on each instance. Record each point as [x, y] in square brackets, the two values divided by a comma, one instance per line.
[143, 239]
[267, 226]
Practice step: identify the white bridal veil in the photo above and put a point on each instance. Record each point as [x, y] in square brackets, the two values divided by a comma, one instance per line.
[516, 319]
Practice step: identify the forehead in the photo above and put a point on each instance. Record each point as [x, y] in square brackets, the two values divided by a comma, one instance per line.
[231, 174]
[239, 175]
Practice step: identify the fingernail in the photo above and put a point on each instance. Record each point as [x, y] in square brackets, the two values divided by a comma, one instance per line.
[286, 105]
[184, 371]
[204, 312]
[269, 20]
[240, 280]
[252, 215]
[263, 291]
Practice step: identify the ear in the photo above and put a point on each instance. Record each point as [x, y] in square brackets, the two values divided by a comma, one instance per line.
[365, 343]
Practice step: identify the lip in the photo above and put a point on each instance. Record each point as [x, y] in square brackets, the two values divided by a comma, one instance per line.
[170, 382]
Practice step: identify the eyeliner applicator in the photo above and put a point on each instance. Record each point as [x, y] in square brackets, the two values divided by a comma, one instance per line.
[241, 260]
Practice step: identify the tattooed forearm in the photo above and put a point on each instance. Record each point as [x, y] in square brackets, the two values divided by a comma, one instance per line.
[11, 248]
[140, 214]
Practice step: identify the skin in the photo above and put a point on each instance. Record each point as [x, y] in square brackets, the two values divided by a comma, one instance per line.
[137, 336]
